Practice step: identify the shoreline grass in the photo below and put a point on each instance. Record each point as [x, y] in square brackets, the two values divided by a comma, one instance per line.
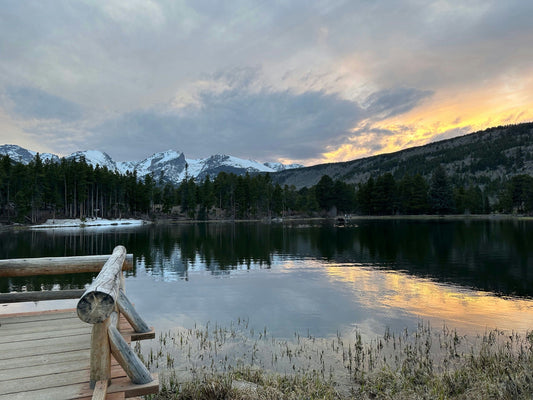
[237, 362]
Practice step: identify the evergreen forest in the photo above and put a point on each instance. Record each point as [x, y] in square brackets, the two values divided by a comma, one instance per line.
[40, 190]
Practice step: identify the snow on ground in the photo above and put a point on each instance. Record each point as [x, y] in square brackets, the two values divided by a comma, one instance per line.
[78, 223]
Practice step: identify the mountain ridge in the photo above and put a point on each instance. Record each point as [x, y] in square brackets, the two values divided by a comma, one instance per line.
[492, 154]
[168, 166]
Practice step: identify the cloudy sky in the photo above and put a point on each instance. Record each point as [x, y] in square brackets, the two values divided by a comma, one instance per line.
[291, 81]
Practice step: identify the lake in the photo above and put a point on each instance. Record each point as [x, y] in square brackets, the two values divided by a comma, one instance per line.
[308, 277]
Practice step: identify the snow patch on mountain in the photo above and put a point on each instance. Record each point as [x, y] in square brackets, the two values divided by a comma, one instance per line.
[276, 166]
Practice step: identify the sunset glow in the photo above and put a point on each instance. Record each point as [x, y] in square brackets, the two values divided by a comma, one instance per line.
[435, 302]
[446, 115]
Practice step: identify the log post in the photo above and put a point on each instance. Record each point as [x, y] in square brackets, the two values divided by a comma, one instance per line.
[98, 301]
[133, 317]
[126, 357]
[100, 355]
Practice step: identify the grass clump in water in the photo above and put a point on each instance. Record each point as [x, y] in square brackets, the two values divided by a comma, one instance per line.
[237, 363]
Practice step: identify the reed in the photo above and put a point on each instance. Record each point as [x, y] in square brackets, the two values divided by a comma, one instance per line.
[238, 362]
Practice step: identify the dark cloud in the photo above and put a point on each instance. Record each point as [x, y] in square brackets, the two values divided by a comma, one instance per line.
[390, 102]
[247, 122]
[31, 102]
[261, 125]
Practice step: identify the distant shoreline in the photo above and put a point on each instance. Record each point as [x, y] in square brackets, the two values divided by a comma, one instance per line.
[451, 217]
[125, 222]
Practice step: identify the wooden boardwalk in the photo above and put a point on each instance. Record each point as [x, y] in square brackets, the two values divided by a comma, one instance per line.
[46, 355]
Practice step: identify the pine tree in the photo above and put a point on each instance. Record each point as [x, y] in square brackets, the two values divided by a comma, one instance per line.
[440, 192]
[324, 192]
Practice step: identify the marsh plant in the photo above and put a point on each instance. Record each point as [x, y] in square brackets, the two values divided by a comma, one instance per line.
[239, 362]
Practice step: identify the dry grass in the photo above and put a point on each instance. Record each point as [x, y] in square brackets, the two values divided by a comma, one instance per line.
[238, 363]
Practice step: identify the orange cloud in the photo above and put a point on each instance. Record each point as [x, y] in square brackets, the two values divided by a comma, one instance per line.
[448, 113]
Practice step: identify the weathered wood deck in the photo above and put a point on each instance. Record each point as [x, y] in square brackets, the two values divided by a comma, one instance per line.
[46, 355]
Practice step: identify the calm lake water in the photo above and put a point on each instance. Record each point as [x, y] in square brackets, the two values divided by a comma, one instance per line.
[312, 278]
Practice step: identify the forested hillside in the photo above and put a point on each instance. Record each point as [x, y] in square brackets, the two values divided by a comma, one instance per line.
[484, 159]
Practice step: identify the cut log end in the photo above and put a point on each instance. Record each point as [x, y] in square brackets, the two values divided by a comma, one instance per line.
[95, 307]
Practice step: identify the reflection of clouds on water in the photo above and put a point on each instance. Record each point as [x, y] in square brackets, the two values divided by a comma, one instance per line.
[430, 300]
[299, 298]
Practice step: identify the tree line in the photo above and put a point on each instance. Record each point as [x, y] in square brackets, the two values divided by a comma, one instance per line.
[74, 189]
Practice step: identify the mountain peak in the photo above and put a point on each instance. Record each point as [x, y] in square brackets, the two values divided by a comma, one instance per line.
[94, 158]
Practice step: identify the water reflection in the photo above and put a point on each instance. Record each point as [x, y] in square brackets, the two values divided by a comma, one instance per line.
[432, 301]
[485, 255]
[311, 276]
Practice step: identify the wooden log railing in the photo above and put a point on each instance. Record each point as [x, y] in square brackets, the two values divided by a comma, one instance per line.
[100, 305]
[22, 267]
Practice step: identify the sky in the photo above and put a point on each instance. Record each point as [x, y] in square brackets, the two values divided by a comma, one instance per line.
[289, 81]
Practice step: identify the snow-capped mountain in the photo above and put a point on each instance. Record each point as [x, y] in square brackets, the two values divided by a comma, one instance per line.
[19, 154]
[94, 158]
[168, 166]
[215, 164]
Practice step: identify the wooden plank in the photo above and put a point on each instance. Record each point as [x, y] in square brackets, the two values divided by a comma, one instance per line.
[49, 342]
[45, 295]
[110, 396]
[43, 381]
[37, 316]
[65, 356]
[100, 390]
[53, 380]
[78, 391]
[15, 336]
[131, 389]
[134, 336]
[57, 265]
[47, 346]
[82, 391]
[42, 326]
[29, 371]
[26, 366]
